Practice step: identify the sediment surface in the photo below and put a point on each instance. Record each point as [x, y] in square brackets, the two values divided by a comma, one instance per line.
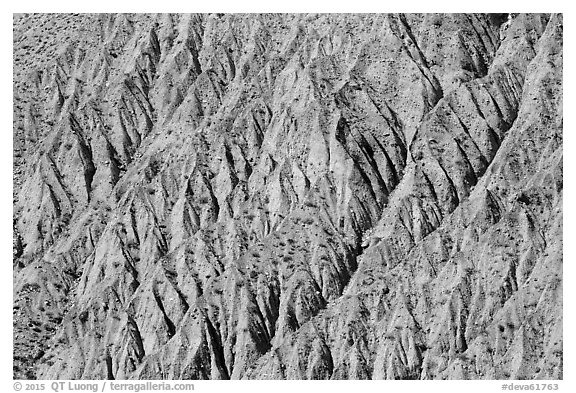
[288, 196]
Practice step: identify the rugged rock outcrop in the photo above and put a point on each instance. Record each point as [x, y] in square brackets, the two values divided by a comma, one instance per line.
[288, 196]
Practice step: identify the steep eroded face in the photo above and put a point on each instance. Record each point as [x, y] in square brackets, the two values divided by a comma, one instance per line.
[288, 196]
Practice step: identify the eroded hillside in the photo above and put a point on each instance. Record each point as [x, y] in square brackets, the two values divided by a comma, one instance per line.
[288, 196]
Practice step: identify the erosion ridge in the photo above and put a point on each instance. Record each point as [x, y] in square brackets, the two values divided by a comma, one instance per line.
[288, 196]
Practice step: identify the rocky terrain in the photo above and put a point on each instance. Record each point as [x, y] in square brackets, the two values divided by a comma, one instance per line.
[288, 196]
